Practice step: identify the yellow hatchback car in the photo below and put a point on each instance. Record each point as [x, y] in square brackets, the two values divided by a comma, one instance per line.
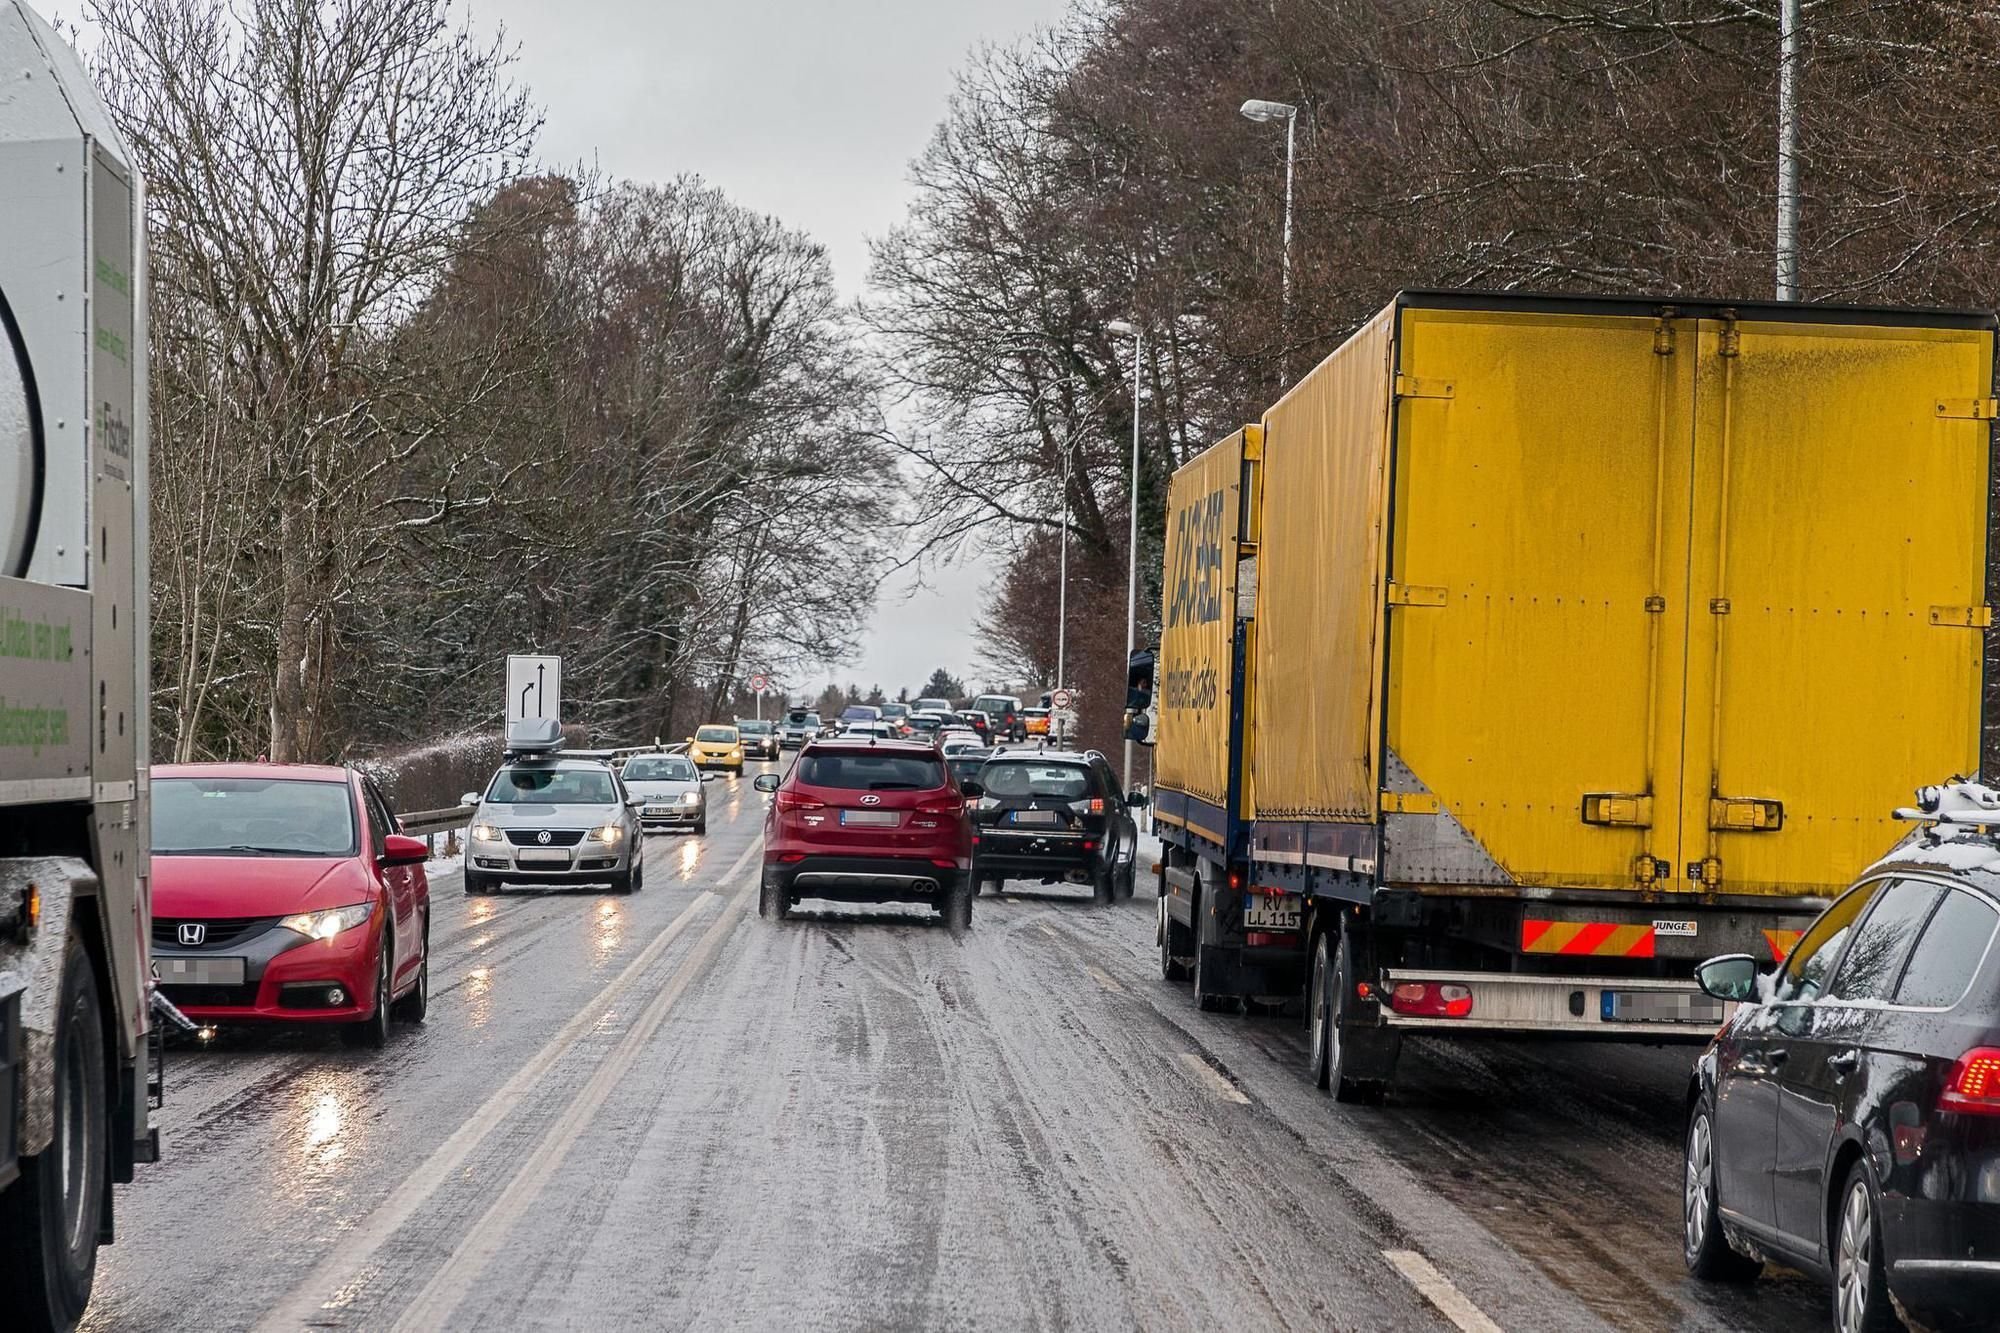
[717, 746]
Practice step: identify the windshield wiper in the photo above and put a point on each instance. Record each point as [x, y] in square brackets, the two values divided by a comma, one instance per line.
[242, 848]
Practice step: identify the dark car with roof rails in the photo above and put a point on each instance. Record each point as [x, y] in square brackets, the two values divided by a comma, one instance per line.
[1054, 816]
[1845, 1121]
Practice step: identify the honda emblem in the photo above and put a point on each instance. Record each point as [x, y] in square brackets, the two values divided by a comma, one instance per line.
[543, 837]
[192, 933]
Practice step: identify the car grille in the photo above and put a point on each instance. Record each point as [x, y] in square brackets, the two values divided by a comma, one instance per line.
[222, 931]
[239, 997]
[558, 837]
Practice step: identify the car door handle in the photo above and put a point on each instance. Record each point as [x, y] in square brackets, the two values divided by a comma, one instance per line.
[1844, 1062]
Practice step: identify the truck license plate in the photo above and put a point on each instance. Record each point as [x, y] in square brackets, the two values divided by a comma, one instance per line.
[198, 971]
[1652, 1006]
[1279, 913]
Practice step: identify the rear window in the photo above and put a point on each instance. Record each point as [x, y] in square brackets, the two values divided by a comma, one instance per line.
[751, 727]
[716, 735]
[1013, 777]
[252, 817]
[860, 713]
[800, 719]
[871, 772]
[1948, 955]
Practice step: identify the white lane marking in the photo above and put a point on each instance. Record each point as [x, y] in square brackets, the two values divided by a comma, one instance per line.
[332, 1275]
[1436, 1288]
[1206, 1074]
[1046, 931]
[439, 1300]
[1103, 978]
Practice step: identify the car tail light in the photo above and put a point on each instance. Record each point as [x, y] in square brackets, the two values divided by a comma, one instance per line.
[1235, 880]
[1430, 999]
[1093, 806]
[941, 805]
[792, 800]
[1090, 844]
[944, 861]
[1974, 1085]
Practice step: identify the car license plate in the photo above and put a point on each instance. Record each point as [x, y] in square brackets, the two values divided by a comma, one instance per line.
[199, 971]
[1282, 912]
[543, 856]
[656, 811]
[869, 818]
[1653, 1006]
[1037, 817]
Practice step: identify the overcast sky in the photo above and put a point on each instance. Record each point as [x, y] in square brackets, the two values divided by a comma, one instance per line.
[808, 109]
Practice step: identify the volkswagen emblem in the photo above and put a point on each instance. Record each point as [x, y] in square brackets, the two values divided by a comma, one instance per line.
[192, 933]
[543, 837]
[871, 799]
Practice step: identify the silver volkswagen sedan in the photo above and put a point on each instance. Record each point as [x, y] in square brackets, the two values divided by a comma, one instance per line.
[549, 821]
[670, 788]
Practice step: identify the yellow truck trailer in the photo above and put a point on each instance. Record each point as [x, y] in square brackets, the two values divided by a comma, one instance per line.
[1532, 649]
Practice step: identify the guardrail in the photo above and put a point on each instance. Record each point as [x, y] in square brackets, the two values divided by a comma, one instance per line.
[430, 824]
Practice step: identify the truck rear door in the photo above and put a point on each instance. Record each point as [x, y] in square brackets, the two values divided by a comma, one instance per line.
[1838, 592]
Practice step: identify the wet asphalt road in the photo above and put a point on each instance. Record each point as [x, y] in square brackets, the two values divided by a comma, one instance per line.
[659, 1111]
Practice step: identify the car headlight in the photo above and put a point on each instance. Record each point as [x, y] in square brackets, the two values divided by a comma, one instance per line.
[609, 834]
[325, 925]
[485, 833]
[690, 798]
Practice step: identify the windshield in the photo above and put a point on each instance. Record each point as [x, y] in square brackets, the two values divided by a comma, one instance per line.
[751, 727]
[871, 772]
[662, 768]
[716, 735]
[252, 817]
[1064, 782]
[965, 766]
[553, 786]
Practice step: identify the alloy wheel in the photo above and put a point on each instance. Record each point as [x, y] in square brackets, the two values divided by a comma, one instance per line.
[1855, 1265]
[1698, 1182]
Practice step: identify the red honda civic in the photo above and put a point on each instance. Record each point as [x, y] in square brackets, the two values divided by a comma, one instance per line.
[283, 892]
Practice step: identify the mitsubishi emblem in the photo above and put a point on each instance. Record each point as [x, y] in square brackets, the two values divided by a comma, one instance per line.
[543, 837]
[192, 933]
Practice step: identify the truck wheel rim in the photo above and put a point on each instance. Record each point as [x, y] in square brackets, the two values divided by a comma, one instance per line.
[1700, 1162]
[1857, 1253]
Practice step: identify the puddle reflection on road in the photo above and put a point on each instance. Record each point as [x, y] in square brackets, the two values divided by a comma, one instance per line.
[607, 931]
[478, 996]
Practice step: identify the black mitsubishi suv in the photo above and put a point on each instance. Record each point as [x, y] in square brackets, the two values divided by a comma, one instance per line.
[1052, 815]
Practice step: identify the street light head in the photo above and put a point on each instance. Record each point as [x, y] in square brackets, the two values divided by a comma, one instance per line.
[1258, 109]
[1121, 328]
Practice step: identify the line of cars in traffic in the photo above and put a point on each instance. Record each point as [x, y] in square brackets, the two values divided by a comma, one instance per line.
[289, 893]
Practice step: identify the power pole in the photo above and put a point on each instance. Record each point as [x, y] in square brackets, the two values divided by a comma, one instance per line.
[1788, 150]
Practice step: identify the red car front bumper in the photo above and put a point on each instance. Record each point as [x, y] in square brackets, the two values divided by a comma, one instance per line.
[286, 980]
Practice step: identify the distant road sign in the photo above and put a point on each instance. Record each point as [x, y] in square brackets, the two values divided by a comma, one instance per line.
[534, 688]
[1062, 698]
[759, 683]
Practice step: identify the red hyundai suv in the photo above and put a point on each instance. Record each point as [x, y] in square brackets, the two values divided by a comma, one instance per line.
[868, 821]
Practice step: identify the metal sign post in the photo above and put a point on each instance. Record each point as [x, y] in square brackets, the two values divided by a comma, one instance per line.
[534, 688]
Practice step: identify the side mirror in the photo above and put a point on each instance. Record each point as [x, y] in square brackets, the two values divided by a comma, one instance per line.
[1733, 976]
[470, 798]
[766, 782]
[708, 777]
[635, 801]
[402, 850]
[1136, 799]
[973, 789]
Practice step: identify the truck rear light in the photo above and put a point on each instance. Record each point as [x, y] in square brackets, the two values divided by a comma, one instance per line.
[792, 800]
[1974, 1085]
[1430, 999]
[1235, 880]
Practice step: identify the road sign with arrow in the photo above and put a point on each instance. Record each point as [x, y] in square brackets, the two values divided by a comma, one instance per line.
[534, 688]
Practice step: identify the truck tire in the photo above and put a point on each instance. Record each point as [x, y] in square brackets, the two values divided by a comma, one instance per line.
[1176, 943]
[1328, 996]
[957, 906]
[771, 899]
[49, 1217]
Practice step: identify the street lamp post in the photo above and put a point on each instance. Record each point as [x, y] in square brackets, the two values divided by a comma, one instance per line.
[1788, 150]
[1264, 112]
[1138, 337]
